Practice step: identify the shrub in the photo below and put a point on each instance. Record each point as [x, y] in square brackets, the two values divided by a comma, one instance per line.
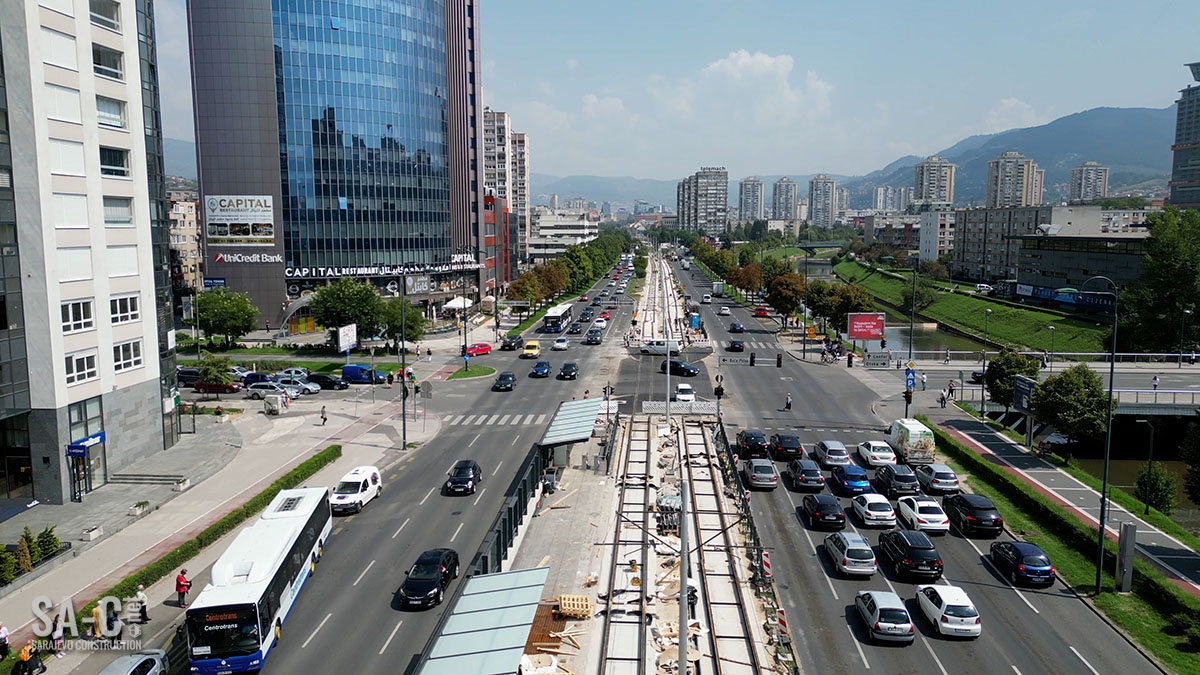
[1193, 639]
[48, 543]
[35, 553]
[24, 560]
[8, 567]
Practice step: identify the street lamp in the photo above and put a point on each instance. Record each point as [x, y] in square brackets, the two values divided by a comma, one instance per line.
[987, 337]
[1182, 323]
[912, 312]
[1150, 459]
[1051, 348]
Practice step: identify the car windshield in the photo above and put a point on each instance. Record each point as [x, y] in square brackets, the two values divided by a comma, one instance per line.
[893, 616]
[811, 473]
[922, 553]
[461, 472]
[908, 478]
[943, 475]
[424, 571]
[347, 487]
[860, 554]
[218, 632]
[836, 452]
[788, 442]
[961, 611]
[764, 469]
[1036, 560]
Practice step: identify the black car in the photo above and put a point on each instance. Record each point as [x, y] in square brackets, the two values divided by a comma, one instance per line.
[824, 511]
[896, 480]
[596, 302]
[805, 474]
[505, 382]
[575, 329]
[1022, 562]
[569, 371]
[977, 377]
[911, 553]
[679, 368]
[587, 315]
[594, 337]
[464, 477]
[427, 579]
[972, 513]
[736, 346]
[785, 447]
[327, 381]
[752, 444]
[512, 343]
[187, 377]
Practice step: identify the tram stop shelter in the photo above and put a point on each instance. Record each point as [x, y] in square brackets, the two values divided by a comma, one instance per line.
[574, 422]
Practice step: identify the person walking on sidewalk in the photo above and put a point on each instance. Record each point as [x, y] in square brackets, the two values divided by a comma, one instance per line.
[324, 416]
[950, 388]
[56, 635]
[144, 602]
[1154, 383]
[947, 361]
[787, 402]
[942, 398]
[4, 648]
[924, 380]
[182, 586]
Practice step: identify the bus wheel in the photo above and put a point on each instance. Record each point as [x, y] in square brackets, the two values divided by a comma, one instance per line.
[278, 631]
[312, 566]
[320, 551]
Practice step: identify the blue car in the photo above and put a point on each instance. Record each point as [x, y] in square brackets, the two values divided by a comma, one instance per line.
[1022, 562]
[541, 369]
[851, 479]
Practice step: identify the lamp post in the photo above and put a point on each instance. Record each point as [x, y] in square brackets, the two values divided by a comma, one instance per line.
[912, 312]
[987, 337]
[1051, 348]
[1150, 459]
[1182, 323]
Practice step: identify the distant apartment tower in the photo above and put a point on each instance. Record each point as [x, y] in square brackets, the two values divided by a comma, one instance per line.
[885, 198]
[518, 202]
[1185, 161]
[187, 257]
[700, 200]
[1089, 181]
[784, 196]
[506, 174]
[1013, 180]
[750, 199]
[933, 180]
[904, 197]
[822, 201]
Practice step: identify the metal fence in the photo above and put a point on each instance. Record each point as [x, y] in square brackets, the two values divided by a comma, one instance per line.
[680, 407]
[496, 543]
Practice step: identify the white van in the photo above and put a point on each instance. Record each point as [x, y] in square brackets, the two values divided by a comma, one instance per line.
[912, 441]
[707, 299]
[355, 489]
[660, 347]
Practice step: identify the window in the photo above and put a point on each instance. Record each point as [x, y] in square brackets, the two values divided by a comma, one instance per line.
[106, 13]
[127, 355]
[114, 162]
[122, 261]
[70, 211]
[108, 62]
[59, 49]
[66, 157]
[81, 367]
[62, 103]
[118, 212]
[110, 112]
[74, 263]
[77, 315]
[124, 309]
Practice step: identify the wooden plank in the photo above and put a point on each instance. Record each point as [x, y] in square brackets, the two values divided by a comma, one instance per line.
[564, 498]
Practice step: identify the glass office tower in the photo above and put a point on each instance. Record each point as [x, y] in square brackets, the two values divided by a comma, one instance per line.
[337, 139]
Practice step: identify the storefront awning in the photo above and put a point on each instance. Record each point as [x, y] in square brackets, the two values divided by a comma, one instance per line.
[458, 302]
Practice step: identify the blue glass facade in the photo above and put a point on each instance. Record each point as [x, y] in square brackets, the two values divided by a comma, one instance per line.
[363, 133]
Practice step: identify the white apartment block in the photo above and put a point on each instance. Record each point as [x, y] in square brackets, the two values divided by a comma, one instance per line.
[1013, 180]
[785, 195]
[186, 256]
[1089, 181]
[700, 201]
[90, 214]
[937, 234]
[933, 180]
[750, 199]
[555, 231]
[822, 201]
[506, 167]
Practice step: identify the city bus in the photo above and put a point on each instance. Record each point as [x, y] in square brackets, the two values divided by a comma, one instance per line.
[238, 617]
[557, 318]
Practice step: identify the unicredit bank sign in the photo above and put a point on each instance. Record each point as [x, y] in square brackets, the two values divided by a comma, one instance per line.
[248, 258]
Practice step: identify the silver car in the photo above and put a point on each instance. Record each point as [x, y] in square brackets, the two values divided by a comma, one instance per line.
[832, 453]
[145, 662]
[760, 473]
[885, 615]
[300, 383]
[850, 553]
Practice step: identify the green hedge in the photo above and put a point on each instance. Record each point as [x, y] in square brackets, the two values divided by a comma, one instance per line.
[175, 559]
[1148, 582]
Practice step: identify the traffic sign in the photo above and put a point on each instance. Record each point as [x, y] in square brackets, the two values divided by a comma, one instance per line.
[910, 381]
[909, 372]
[911, 365]
[735, 360]
[812, 331]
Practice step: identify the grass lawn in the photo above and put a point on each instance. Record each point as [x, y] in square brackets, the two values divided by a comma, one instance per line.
[475, 371]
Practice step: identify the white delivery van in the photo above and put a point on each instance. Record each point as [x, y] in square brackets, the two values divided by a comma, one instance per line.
[355, 489]
[660, 347]
[911, 441]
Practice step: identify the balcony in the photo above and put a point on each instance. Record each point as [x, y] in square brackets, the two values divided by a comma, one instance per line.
[108, 63]
[106, 14]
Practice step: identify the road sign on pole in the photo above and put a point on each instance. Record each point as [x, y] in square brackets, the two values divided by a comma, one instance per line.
[910, 380]
[735, 360]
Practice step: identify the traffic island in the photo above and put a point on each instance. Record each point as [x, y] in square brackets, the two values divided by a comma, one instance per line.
[473, 371]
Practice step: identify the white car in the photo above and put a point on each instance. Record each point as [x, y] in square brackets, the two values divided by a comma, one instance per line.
[876, 453]
[950, 610]
[238, 373]
[603, 323]
[724, 311]
[874, 509]
[561, 344]
[684, 392]
[292, 372]
[355, 489]
[922, 513]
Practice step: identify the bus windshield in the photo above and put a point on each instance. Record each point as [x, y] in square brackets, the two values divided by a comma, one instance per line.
[219, 632]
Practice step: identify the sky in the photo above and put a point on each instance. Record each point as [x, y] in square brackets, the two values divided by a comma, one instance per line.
[659, 88]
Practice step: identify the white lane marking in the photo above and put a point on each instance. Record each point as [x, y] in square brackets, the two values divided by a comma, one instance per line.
[472, 443]
[456, 531]
[364, 573]
[857, 646]
[400, 528]
[479, 497]
[515, 439]
[1085, 661]
[497, 469]
[934, 655]
[454, 420]
[492, 419]
[322, 624]
[516, 419]
[529, 419]
[467, 419]
[541, 418]
[427, 494]
[389, 640]
[1016, 671]
[504, 420]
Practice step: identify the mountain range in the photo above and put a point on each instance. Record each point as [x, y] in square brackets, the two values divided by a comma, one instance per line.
[1134, 143]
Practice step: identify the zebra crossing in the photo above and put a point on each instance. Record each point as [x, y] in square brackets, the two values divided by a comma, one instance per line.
[494, 420]
[723, 344]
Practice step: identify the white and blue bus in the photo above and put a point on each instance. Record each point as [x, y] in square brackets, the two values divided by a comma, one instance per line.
[557, 318]
[238, 617]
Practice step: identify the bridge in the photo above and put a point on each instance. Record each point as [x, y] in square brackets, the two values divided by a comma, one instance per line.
[1131, 402]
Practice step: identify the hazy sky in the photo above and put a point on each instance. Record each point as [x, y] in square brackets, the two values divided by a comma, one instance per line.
[658, 88]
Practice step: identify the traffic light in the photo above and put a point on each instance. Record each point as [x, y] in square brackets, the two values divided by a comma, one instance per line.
[752, 358]
[416, 387]
[883, 344]
[462, 350]
[908, 396]
[719, 391]
[779, 360]
[403, 391]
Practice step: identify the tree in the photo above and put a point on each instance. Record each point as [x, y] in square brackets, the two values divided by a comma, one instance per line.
[401, 320]
[347, 301]
[639, 266]
[221, 312]
[580, 264]
[552, 278]
[772, 269]
[526, 287]
[24, 556]
[745, 256]
[1189, 452]
[786, 293]
[935, 269]
[924, 294]
[1169, 284]
[818, 298]
[214, 369]
[1001, 369]
[1074, 402]
[1156, 486]
[47, 542]
[848, 298]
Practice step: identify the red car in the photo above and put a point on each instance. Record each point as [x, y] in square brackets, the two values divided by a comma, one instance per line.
[479, 349]
[583, 298]
[214, 388]
[605, 315]
[760, 311]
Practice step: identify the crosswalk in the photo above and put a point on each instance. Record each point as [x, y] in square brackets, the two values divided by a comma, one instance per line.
[493, 420]
[723, 344]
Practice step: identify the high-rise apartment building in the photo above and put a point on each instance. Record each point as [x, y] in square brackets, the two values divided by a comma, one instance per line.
[1089, 181]
[519, 204]
[785, 194]
[187, 257]
[83, 224]
[750, 199]
[506, 170]
[822, 201]
[1013, 180]
[1185, 152]
[328, 153]
[885, 198]
[842, 202]
[933, 180]
[700, 200]
[904, 197]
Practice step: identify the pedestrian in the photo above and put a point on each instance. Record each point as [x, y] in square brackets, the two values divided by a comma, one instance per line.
[1192, 358]
[4, 649]
[114, 625]
[182, 586]
[324, 416]
[409, 372]
[951, 388]
[947, 361]
[1045, 359]
[56, 634]
[587, 393]
[268, 326]
[1154, 383]
[429, 353]
[144, 602]
[390, 379]
[942, 398]
[97, 623]
[924, 380]
[28, 659]
[982, 355]
[787, 402]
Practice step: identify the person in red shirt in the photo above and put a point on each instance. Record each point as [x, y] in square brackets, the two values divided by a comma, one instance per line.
[182, 586]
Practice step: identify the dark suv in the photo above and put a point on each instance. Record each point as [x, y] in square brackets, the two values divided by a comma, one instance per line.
[805, 475]
[973, 513]
[512, 343]
[785, 447]
[911, 553]
[684, 369]
[824, 511]
[751, 444]
[187, 377]
[896, 480]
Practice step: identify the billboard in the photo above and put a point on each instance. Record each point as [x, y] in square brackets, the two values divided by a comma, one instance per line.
[864, 326]
[239, 220]
[347, 337]
[1023, 388]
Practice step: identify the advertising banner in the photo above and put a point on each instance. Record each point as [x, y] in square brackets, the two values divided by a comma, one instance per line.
[864, 325]
[239, 220]
[347, 337]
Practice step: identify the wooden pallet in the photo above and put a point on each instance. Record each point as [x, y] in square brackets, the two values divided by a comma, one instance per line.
[575, 606]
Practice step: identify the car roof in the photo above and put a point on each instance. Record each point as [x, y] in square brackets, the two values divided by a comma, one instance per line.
[433, 555]
[1026, 548]
[464, 462]
[359, 473]
[752, 432]
[855, 540]
[787, 437]
[760, 462]
[915, 538]
[940, 467]
[824, 499]
[123, 663]
[683, 385]
[570, 364]
[899, 469]
[877, 444]
[873, 497]
[806, 464]
[953, 595]
[507, 373]
[851, 469]
[885, 599]
[977, 501]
